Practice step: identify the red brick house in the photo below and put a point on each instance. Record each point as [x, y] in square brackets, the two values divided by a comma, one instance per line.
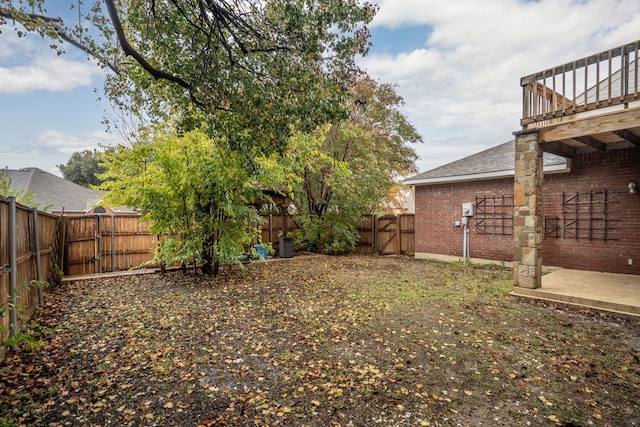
[590, 219]
[530, 209]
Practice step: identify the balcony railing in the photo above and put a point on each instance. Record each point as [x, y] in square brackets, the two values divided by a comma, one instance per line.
[607, 79]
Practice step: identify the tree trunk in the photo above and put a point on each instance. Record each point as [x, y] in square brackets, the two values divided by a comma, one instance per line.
[209, 266]
[216, 267]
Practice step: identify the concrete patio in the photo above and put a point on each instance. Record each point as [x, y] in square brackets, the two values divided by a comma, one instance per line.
[618, 293]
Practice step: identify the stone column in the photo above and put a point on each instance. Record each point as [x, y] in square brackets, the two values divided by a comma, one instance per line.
[527, 211]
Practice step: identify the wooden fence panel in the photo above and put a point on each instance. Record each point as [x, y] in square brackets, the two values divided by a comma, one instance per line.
[126, 242]
[407, 232]
[367, 230]
[103, 243]
[4, 275]
[27, 296]
[387, 234]
[271, 229]
[25, 262]
[388, 241]
[80, 246]
[46, 232]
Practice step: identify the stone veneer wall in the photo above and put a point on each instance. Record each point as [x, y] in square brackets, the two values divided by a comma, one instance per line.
[527, 211]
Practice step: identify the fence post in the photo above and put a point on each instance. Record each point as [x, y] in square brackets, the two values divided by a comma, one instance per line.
[113, 243]
[36, 238]
[13, 272]
[373, 233]
[400, 230]
[99, 242]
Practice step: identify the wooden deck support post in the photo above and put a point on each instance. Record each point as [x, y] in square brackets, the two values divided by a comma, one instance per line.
[527, 211]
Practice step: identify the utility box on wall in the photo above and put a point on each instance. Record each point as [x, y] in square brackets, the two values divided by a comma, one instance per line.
[467, 209]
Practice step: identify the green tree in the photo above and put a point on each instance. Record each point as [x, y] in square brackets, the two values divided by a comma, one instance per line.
[83, 168]
[27, 198]
[346, 170]
[196, 192]
[269, 64]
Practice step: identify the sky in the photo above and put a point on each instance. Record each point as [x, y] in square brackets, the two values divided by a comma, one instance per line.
[456, 63]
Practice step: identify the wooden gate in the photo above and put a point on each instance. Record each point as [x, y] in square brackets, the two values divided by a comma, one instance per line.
[388, 240]
[386, 235]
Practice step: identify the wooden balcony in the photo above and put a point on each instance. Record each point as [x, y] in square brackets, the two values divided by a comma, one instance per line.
[588, 104]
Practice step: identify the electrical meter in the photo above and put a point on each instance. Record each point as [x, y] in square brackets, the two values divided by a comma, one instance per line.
[467, 209]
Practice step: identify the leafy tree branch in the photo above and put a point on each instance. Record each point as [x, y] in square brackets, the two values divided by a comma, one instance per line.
[52, 27]
[271, 64]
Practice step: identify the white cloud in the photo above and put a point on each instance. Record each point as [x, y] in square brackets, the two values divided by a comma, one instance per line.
[9, 43]
[462, 90]
[28, 65]
[61, 143]
[52, 74]
[51, 148]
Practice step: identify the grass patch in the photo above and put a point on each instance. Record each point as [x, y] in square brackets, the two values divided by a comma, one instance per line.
[321, 341]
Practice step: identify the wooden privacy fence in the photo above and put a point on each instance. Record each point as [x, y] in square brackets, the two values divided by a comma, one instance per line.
[104, 243]
[384, 235]
[29, 254]
[272, 228]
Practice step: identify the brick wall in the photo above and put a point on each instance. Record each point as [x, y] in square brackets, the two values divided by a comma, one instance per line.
[438, 206]
[597, 172]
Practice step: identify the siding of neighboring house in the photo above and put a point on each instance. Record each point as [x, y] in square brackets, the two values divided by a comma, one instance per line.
[601, 245]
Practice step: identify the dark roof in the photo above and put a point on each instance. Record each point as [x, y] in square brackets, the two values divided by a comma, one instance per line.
[52, 192]
[495, 162]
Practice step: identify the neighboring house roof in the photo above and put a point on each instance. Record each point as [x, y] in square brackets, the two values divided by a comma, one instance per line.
[52, 192]
[611, 86]
[495, 162]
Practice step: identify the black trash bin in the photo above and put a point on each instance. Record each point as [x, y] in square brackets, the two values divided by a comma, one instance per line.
[286, 247]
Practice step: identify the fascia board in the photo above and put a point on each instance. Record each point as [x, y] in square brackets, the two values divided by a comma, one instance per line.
[551, 169]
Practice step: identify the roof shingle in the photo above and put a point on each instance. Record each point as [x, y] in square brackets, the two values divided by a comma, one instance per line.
[495, 162]
[51, 191]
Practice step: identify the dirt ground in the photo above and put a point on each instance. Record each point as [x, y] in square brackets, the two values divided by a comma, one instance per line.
[320, 341]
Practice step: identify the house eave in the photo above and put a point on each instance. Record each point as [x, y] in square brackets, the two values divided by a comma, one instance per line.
[549, 169]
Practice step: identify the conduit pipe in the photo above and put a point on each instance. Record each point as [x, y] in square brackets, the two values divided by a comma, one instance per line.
[465, 240]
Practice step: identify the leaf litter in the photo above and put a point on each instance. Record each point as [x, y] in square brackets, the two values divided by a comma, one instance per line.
[320, 341]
